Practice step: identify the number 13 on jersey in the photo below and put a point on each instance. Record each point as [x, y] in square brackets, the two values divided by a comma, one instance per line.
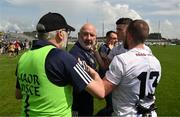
[148, 83]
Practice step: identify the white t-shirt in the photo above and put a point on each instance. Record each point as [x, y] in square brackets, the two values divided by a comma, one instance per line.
[136, 74]
[119, 49]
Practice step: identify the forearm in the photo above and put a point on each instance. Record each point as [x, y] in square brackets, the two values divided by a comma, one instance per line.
[103, 62]
[96, 87]
[99, 59]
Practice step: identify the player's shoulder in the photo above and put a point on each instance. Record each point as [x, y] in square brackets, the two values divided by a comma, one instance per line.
[147, 48]
[127, 56]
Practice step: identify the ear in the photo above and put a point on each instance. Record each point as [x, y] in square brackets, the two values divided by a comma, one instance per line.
[60, 35]
[129, 35]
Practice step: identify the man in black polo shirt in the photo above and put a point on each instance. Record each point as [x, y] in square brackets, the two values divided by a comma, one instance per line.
[83, 102]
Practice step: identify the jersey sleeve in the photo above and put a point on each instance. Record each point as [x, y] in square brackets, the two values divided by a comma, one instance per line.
[77, 75]
[60, 70]
[116, 71]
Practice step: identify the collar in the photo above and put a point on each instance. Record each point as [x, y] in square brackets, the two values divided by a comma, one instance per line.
[40, 43]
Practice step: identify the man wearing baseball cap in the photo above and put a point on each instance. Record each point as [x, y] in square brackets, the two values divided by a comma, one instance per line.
[45, 73]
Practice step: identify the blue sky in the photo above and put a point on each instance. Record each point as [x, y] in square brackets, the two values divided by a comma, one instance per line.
[162, 15]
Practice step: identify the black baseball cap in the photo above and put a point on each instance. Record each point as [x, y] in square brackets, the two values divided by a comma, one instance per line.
[52, 21]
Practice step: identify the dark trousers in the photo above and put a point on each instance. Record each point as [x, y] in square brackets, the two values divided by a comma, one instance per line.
[83, 104]
[16, 51]
[108, 110]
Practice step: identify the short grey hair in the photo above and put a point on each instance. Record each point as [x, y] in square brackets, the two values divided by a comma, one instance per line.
[42, 34]
[48, 35]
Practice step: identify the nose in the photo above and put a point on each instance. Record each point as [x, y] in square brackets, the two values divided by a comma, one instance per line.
[88, 36]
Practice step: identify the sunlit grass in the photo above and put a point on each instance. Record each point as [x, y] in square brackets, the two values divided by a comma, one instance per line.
[167, 95]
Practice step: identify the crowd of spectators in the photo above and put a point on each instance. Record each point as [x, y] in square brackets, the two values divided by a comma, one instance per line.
[12, 48]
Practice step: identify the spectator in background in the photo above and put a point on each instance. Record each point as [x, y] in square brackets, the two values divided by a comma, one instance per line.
[104, 49]
[83, 102]
[17, 47]
[11, 49]
[1, 48]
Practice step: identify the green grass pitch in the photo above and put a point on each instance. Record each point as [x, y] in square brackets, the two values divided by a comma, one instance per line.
[167, 93]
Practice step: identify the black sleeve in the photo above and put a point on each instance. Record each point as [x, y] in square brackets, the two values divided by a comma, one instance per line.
[61, 70]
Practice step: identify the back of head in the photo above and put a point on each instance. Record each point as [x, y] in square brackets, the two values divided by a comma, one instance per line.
[139, 30]
[124, 21]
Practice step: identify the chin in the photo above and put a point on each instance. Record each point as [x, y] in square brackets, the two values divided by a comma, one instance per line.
[87, 47]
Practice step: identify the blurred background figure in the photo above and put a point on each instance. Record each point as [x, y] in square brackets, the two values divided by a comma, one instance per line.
[11, 49]
[104, 49]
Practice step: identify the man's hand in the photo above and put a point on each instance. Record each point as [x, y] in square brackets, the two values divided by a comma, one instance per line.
[83, 65]
[94, 47]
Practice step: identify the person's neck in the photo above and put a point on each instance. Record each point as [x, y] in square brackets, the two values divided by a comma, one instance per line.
[53, 41]
[140, 46]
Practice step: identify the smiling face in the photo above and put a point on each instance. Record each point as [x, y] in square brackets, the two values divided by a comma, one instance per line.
[87, 36]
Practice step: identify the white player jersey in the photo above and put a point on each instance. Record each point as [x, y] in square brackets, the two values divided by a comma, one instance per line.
[120, 49]
[136, 74]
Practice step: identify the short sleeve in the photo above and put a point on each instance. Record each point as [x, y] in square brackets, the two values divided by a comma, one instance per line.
[77, 75]
[116, 71]
[60, 70]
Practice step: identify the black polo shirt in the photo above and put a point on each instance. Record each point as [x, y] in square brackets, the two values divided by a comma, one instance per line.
[85, 55]
[83, 101]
